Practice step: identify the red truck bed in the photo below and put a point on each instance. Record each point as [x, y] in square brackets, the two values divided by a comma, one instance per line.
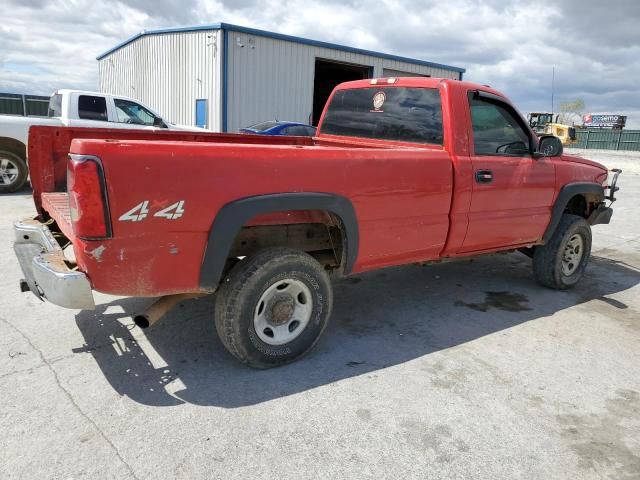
[49, 149]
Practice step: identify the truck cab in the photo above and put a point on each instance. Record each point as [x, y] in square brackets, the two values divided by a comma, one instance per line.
[538, 121]
[544, 124]
[76, 108]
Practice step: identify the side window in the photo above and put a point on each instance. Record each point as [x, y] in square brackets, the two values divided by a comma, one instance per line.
[92, 108]
[496, 131]
[132, 112]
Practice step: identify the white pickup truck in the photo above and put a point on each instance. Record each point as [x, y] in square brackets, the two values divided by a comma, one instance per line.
[72, 108]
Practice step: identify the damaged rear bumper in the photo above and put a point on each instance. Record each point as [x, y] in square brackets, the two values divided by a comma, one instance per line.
[45, 268]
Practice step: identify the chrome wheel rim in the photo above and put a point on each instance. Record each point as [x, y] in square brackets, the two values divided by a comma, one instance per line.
[8, 172]
[283, 312]
[572, 256]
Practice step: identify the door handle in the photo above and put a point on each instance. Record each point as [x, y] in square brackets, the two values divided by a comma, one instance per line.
[484, 176]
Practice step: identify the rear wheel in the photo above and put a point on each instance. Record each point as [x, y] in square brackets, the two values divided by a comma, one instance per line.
[13, 172]
[561, 262]
[272, 307]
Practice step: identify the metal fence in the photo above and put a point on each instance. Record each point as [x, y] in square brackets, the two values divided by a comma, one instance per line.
[25, 105]
[608, 139]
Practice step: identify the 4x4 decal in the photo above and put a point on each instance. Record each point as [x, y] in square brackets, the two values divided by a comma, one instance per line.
[141, 211]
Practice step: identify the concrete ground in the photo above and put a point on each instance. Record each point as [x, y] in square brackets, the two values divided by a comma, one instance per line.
[461, 370]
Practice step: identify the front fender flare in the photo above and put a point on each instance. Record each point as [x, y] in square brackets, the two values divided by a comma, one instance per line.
[566, 193]
[234, 215]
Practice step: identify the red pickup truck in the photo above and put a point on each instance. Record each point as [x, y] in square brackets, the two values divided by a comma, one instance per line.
[402, 171]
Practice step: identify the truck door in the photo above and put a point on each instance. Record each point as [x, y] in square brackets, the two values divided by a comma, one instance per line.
[132, 115]
[512, 191]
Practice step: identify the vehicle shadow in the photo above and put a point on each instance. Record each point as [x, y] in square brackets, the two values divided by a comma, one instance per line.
[380, 319]
[24, 191]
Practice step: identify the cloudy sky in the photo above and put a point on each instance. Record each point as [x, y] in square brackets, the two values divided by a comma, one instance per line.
[509, 44]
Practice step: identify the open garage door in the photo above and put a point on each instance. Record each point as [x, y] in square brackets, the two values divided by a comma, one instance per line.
[389, 72]
[328, 74]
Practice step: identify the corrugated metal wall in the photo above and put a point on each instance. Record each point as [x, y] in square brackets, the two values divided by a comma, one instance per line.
[169, 72]
[608, 139]
[270, 78]
[267, 78]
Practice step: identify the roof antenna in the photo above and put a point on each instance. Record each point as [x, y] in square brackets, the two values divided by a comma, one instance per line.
[553, 78]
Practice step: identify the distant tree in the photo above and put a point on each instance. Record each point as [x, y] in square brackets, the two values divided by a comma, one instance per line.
[571, 112]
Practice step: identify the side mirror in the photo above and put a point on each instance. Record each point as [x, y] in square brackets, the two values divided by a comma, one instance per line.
[549, 146]
[158, 122]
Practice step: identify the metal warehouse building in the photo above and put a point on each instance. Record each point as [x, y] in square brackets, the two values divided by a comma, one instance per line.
[225, 77]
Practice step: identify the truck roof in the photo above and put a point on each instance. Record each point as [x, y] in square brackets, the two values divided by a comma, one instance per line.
[67, 91]
[425, 82]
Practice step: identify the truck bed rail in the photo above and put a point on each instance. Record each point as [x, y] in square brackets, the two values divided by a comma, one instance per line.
[49, 147]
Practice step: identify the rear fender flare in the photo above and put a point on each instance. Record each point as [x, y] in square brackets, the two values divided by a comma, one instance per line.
[234, 215]
[567, 193]
[14, 146]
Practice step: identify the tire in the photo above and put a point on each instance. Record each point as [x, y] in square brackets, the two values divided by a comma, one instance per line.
[561, 262]
[262, 298]
[13, 172]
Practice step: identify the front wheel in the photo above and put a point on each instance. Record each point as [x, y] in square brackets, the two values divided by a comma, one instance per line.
[561, 262]
[272, 307]
[13, 172]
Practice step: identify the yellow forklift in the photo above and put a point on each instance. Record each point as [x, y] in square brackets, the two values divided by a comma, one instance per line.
[543, 124]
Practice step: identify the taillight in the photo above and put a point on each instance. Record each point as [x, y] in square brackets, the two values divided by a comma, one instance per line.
[87, 197]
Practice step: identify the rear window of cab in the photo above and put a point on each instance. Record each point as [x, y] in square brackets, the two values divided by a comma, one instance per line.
[387, 113]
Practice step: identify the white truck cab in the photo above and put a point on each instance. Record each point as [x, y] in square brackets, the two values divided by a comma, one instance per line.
[90, 109]
[73, 108]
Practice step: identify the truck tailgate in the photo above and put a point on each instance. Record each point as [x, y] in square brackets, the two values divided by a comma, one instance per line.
[57, 205]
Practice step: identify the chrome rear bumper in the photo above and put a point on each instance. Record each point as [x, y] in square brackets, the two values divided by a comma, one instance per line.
[45, 268]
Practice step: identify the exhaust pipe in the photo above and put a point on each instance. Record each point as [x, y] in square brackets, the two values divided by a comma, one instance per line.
[160, 307]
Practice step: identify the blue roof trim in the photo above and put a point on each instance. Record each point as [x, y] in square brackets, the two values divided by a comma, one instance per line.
[120, 45]
[192, 28]
[335, 46]
[281, 36]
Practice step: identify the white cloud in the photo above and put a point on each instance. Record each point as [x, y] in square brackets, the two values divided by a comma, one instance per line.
[509, 44]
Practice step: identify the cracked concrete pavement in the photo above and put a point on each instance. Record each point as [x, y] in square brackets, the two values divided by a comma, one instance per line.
[460, 370]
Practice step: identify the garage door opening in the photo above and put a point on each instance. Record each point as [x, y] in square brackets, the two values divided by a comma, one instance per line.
[329, 74]
[389, 72]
